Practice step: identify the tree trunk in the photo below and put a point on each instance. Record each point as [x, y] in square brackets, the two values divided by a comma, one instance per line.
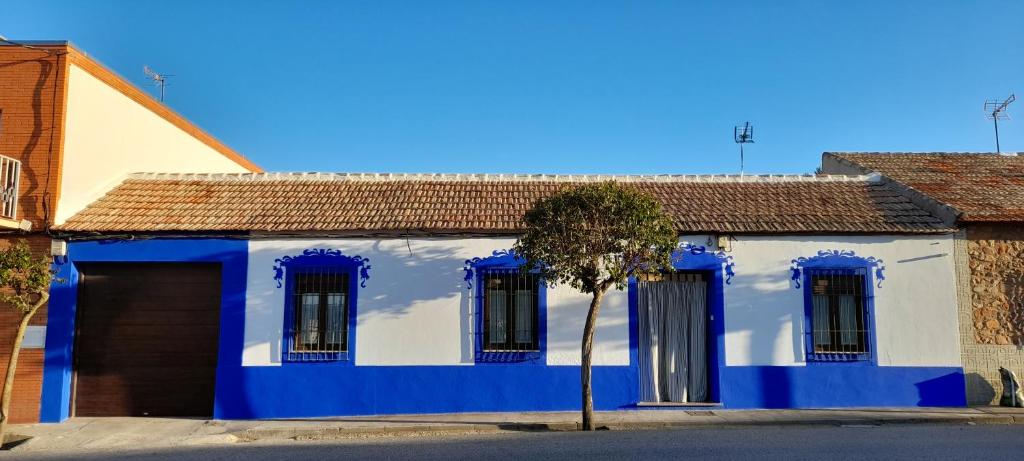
[12, 365]
[588, 346]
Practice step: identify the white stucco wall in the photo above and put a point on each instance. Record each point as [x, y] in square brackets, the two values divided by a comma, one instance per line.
[108, 135]
[915, 309]
[415, 309]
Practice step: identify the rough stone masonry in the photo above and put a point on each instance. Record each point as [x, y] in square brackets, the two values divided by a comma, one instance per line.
[992, 319]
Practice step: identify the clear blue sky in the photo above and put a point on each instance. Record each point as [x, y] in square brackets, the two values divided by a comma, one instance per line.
[561, 87]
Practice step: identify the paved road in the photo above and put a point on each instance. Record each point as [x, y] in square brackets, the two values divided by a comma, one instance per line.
[882, 442]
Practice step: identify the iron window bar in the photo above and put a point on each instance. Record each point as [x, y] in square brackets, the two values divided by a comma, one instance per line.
[840, 320]
[10, 174]
[319, 309]
[509, 309]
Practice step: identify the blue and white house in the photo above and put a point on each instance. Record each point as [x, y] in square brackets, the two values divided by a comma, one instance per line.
[285, 296]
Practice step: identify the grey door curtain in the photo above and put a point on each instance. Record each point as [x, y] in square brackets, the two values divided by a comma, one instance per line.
[673, 340]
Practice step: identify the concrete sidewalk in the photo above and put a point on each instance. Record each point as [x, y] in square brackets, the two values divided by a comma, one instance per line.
[96, 433]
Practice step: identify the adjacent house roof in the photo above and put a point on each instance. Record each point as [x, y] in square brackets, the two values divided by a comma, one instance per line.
[979, 187]
[401, 204]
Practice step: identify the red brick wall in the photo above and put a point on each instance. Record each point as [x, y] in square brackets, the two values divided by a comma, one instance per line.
[28, 381]
[32, 94]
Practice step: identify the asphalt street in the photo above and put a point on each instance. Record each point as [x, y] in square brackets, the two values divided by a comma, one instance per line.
[787, 442]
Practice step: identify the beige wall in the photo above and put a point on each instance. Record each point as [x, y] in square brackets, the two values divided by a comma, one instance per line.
[109, 135]
[990, 260]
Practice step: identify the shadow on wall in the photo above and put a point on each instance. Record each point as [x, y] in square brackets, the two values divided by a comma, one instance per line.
[767, 327]
[31, 185]
[421, 278]
[938, 391]
[769, 310]
[980, 391]
[1013, 316]
[440, 276]
[567, 316]
[428, 274]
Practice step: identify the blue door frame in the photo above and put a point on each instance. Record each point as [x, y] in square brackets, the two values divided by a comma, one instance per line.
[717, 269]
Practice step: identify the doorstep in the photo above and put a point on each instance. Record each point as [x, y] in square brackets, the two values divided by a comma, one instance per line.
[678, 405]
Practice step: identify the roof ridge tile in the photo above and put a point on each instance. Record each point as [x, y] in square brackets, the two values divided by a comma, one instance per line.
[499, 177]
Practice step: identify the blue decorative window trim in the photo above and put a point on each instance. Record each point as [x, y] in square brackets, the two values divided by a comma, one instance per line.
[500, 259]
[323, 256]
[837, 258]
[322, 263]
[849, 266]
[697, 257]
[504, 262]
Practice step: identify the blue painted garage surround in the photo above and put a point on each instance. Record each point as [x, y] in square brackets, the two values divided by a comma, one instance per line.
[55, 404]
[339, 388]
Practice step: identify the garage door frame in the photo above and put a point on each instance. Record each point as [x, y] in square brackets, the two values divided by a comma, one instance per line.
[232, 252]
[104, 269]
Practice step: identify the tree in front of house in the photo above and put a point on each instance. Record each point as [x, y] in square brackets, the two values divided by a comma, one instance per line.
[594, 237]
[25, 287]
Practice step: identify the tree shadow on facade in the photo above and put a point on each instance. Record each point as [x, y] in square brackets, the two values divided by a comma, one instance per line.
[772, 386]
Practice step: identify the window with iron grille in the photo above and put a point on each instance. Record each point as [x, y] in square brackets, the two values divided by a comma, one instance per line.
[510, 305]
[318, 306]
[840, 323]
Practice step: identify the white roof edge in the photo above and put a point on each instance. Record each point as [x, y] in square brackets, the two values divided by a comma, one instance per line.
[314, 176]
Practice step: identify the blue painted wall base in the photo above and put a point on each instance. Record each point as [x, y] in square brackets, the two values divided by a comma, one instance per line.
[315, 391]
[842, 385]
[311, 391]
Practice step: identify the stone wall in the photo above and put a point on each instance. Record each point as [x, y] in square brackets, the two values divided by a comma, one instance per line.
[997, 283]
[991, 276]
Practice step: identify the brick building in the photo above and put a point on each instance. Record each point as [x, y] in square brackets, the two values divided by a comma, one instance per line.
[70, 129]
[983, 194]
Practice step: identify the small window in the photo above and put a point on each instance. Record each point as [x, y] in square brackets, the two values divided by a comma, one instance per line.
[840, 328]
[319, 315]
[510, 305]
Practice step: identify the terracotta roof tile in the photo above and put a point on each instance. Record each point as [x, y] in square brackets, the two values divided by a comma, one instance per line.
[486, 204]
[982, 187]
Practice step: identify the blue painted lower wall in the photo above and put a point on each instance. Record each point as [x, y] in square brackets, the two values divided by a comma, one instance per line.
[324, 390]
[334, 389]
[842, 385]
[307, 391]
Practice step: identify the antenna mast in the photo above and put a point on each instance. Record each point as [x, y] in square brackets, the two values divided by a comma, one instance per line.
[158, 79]
[996, 111]
[743, 134]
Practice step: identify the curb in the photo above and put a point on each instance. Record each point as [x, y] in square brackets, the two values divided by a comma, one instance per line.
[313, 434]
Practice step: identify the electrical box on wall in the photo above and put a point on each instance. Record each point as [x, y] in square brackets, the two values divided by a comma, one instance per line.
[724, 243]
[35, 337]
[58, 248]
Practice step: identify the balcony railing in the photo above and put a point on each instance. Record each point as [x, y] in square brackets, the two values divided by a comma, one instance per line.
[10, 172]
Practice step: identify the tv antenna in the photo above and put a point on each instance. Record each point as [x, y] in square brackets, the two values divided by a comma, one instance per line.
[743, 134]
[158, 79]
[996, 111]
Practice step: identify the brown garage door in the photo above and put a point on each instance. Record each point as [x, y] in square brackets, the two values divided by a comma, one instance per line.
[147, 339]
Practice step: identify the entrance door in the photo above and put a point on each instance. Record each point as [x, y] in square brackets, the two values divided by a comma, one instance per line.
[146, 340]
[673, 320]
